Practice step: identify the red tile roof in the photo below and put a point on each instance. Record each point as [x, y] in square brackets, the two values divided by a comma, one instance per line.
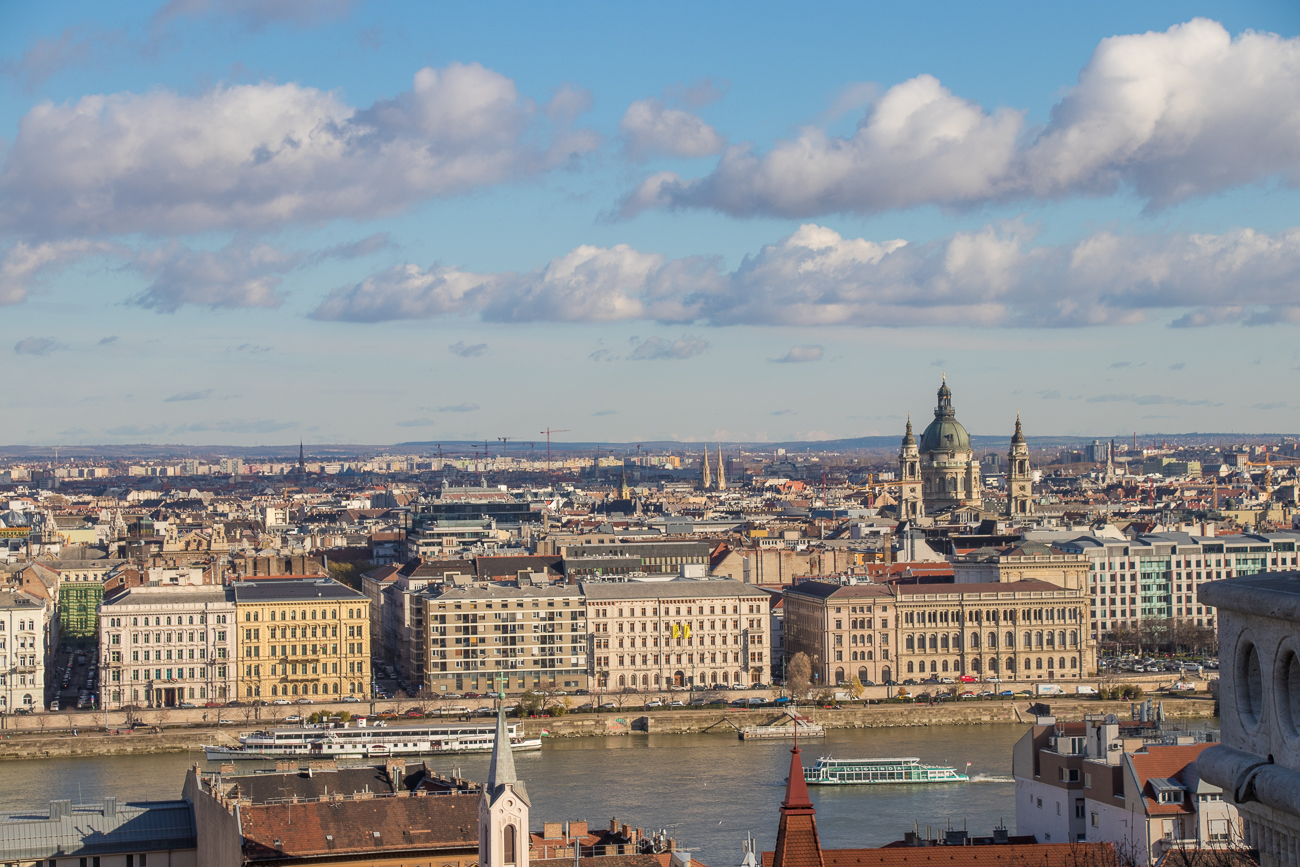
[274, 832]
[1159, 762]
[1044, 855]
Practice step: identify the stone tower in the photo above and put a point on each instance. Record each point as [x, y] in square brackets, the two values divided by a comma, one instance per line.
[722, 473]
[1019, 483]
[503, 808]
[706, 480]
[910, 505]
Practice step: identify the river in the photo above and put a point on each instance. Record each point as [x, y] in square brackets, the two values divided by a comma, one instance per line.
[706, 790]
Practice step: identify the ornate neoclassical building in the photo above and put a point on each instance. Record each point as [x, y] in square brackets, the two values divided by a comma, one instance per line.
[941, 471]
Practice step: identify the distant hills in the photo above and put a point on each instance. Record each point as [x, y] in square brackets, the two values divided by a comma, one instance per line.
[466, 448]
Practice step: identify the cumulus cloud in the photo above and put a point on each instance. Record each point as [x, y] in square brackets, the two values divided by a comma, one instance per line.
[649, 128]
[259, 155]
[23, 264]
[994, 276]
[357, 249]
[1168, 115]
[241, 274]
[800, 354]
[108, 341]
[37, 346]
[464, 351]
[658, 349]
[189, 395]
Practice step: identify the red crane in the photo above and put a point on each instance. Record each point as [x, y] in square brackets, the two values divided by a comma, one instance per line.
[548, 433]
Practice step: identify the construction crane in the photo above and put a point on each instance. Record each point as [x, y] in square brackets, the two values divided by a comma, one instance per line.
[548, 433]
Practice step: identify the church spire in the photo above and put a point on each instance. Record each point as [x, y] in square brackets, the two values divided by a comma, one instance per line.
[706, 481]
[501, 772]
[722, 473]
[797, 844]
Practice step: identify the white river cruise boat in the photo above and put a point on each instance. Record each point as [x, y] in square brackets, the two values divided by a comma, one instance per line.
[365, 742]
[877, 772]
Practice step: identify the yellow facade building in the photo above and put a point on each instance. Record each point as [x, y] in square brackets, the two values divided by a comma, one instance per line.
[301, 638]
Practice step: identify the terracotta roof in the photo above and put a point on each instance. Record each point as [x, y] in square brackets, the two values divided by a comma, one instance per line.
[392, 824]
[1164, 762]
[663, 859]
[1042, 855]
[797, 844]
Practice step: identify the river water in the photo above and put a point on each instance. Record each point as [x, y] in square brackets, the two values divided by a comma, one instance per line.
[707, 790]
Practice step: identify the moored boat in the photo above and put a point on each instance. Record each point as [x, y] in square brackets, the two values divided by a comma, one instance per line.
[867, 772]
[366, 742]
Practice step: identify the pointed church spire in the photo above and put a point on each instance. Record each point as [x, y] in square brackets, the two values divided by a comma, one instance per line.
[501, 771]
[797, 844]
[706, 481]
[722, 473]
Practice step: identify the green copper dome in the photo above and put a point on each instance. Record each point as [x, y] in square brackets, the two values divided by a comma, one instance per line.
[945, 433]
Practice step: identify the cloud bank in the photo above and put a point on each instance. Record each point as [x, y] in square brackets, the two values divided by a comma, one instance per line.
[996, 276]
[1169, 116]
[264, 155]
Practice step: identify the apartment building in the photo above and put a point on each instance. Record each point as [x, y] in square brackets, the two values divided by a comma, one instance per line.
[652, 635]
[24, 631]
[300, 638]
[1130, 784]
[1158, 576]
[486, 636]
[845, 630]
[167, 646]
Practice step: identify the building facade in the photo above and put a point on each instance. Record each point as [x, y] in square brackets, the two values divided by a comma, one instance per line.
[301, 638]
[24, 651]
[682, 633]
[167, 646]
[845, 630]
[1159, 576]
[1259, 696]
[488, 636]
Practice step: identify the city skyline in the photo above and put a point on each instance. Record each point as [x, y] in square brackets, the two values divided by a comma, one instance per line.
[228, 223]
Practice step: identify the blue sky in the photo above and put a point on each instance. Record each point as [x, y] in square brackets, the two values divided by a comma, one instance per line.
[227, 221]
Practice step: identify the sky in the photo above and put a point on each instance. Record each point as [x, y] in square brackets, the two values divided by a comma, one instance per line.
[257, 221]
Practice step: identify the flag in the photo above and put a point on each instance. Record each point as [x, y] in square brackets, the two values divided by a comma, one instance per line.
[687, 631]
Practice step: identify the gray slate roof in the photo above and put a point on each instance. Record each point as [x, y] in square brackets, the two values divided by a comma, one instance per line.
[97, 829]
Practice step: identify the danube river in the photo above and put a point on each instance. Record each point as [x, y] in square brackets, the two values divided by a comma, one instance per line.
[706, 790]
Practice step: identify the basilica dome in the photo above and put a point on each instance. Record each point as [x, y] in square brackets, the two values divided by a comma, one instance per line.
[945, 433]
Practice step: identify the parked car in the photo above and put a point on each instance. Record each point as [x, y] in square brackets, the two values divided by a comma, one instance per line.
[993, 679]
[293, 718]
[351, 699]
[280, 701]
[969, 678]
[654, 703]
[305, 701]
[755, 700]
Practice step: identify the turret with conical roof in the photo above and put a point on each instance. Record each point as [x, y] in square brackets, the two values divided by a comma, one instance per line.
[797, 844]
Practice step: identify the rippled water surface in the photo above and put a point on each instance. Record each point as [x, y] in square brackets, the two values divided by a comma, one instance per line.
[707, 790]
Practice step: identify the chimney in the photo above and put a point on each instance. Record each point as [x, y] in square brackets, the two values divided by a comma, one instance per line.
[395, 771]
[110, 807]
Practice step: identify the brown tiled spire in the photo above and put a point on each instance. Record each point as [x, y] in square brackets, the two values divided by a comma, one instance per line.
[796, 838]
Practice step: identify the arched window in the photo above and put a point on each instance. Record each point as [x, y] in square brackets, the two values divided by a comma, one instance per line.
[945, 665]
[975, 664]
[943, 641]
[1038, 663]
[993, 664]
[886, 674]
[934, 666]
[909, 667]
[911, 643]
[1029, 641]
[1074, 662]
[508, 844]
[870, 656]
[1011, 640]
[1074, 638]
[1051, 663]
[1011, 663]
[839, 676]
[1038, 639]
[863, 677]
[1060, 663]
[1051, 638]
[974, 640]
[993, 641]
[622, 681]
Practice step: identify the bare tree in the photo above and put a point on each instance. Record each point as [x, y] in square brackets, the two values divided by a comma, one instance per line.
[798, 675]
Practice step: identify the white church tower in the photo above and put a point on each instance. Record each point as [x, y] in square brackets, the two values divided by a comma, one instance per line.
[503, 808]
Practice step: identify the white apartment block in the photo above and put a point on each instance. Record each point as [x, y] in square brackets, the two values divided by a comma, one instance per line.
[1158, 576]
[24, 637]
[653, 635]
[167, 646]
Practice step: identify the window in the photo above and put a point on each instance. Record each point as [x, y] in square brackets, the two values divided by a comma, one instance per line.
[1095, 821]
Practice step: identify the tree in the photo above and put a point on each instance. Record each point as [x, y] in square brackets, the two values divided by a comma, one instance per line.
[856, 688]
[798, 675]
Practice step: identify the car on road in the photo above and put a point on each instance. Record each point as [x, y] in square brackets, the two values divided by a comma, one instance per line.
[755, 700]
[993, 679]
[677, 702]
[967, 694]
[415, 712]
[476, 695]
[350, 699]
[281, 701]
[293, 718]
[305, 701]
[1007, 693]
[609, 705]
[225, 722]
[969, 678]
[654, 703]
[911, 681]
[54, 705]
[188, 704]
[946, 680]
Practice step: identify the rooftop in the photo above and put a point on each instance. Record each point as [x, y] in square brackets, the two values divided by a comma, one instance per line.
[93, 829]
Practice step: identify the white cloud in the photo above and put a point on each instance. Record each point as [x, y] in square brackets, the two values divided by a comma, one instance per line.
[995, 276]
[247, 156]
[23, 263]
[37, 346]
[189, 395]
[649, 128]
[238, 275]
[467, 351]
[800, 355]
[1170, 115]
[658, 349]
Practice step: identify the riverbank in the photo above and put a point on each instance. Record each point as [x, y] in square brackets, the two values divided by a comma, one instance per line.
[146, 741]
